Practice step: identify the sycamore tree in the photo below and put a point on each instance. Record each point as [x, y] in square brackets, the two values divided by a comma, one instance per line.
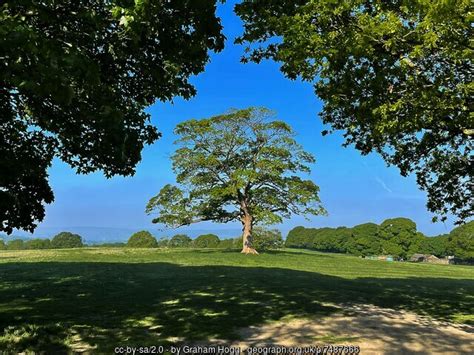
[240, 166]
[75, 79]
[395, 75]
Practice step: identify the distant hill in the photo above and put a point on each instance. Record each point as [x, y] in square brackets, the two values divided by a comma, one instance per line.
[7, 238]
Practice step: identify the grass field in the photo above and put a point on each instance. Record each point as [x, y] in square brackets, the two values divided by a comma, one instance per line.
[55, 300]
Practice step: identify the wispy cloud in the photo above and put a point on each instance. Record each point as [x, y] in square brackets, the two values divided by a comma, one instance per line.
[383, 184]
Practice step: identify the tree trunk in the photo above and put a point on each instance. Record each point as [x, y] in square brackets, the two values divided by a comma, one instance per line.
[247, 247]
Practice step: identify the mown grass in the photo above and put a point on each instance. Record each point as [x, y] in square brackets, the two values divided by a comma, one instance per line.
[56, 300]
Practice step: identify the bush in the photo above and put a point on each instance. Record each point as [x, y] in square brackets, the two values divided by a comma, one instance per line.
[66, 240]
[142, 239]
[2, 245]
[206, 241]
[265, 239]
[179, 241]
[15, 244]
[37, 244]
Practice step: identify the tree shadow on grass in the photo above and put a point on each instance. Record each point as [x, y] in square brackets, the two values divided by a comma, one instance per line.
[56, 306]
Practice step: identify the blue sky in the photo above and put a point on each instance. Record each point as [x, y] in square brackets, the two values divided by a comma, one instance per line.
[354, 189]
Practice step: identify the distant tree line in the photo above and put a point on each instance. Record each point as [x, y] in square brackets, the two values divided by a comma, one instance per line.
[263, 239]
[398, 237]
[60, 241]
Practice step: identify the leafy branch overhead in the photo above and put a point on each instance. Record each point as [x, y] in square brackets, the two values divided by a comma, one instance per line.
[395, 76]
[235, 166]
[75, 78]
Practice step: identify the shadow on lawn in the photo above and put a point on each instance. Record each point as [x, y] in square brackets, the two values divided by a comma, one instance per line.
[57, 306]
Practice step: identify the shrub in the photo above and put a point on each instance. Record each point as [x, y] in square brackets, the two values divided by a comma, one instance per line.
[2, 245]
[37, 243]
[266, 239]
[66, 240]
[179, 241]
[15, 244]
[142, 239]
[206, 241]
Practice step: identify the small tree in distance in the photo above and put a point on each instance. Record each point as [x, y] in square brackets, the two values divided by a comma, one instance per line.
[142, 239]
[179, 241]
[206, 241]
[66, 240]
[239, 166]
[266, 239]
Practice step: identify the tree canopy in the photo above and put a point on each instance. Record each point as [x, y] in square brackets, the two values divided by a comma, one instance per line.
[396, 76]
[206, 241]
[395, 236]
[179, 241]
[267, 239]
[75, 78]
[66, 240]
[399, 237]
[240, 166]
[142, 239]
[461, 241]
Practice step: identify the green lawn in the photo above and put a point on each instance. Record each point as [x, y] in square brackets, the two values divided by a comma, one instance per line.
[53, 300]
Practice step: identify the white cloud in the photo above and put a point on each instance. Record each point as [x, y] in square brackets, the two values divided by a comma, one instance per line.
[383, 184]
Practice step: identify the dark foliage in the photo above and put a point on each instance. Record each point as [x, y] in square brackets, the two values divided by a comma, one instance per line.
[395, 76]
[75, 78]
